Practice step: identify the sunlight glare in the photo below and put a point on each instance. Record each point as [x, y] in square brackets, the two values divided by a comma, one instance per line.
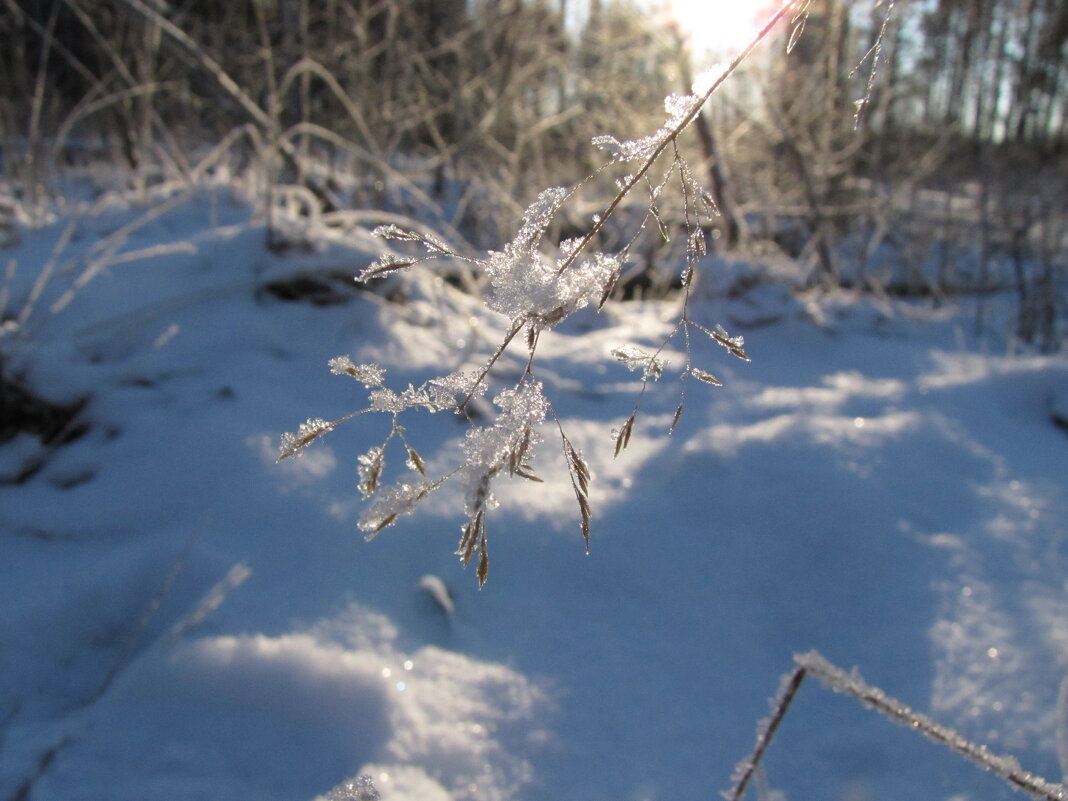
[717, 28]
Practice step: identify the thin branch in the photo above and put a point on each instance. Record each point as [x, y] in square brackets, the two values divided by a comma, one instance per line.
[517, 326]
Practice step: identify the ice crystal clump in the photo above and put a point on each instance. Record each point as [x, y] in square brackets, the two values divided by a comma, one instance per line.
[392, 503]
[506, 445]
[637, 359]
[386, 400]
[362, 789]
[523, 410]
[437, 395]
[370, 468]
[525, 286]
[450, 391]
[678, 107]
[631, 149]
[370, 375]
[292, 443]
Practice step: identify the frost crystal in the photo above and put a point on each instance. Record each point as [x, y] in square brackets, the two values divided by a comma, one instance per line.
[734, 342]
[509, 442]
[678, 107]
[525, 286]
[521, 409]
[393, 502]
[386, 400]
[448, 392]
[370, 375]
[309, 431]
[637, 359]
[370, 468]
[362, 789]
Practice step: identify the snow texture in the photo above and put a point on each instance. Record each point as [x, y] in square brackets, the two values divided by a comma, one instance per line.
[186, 618]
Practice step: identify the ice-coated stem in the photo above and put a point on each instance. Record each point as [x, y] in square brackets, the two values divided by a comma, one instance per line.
[791, 683]
[872, 697]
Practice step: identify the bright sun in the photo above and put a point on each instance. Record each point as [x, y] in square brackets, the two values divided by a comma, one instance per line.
[717, 28]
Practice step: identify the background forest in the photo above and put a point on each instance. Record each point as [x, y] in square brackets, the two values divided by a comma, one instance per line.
[948, 177]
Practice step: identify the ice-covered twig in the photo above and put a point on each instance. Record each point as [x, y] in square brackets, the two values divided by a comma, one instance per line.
[1007, 767]
[766, 729]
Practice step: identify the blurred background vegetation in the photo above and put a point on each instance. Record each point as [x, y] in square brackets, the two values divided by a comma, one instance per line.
[949, 177]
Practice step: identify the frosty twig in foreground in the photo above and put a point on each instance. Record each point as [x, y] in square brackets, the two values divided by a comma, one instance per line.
[872, 697]
[791, 683]
[1005, 766]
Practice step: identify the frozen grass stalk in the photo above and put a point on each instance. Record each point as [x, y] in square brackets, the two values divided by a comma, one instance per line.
[851, 684]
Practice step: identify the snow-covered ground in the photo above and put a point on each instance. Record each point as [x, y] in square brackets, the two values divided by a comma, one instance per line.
[184, 618]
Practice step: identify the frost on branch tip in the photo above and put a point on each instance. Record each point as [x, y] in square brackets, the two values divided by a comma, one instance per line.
[526, 286]
[293, 443]
[508, 442]
[637, 359]
[370, 469]
[432, 243]
[505, 446]
[705, 377]
[370, 375]
[391, 263]
[678, 107]
[733, 345]
[386, 265]
[392, 503]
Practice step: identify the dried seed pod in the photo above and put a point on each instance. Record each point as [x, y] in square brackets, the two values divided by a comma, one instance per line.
[675, 419]
[415, 461]
[704, 376]
[623, 435]
[385, 266]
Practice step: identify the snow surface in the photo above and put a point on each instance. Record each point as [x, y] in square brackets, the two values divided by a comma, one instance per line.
[183, 618]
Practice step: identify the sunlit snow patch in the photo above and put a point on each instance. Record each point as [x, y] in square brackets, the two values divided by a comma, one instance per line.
[292, 715]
